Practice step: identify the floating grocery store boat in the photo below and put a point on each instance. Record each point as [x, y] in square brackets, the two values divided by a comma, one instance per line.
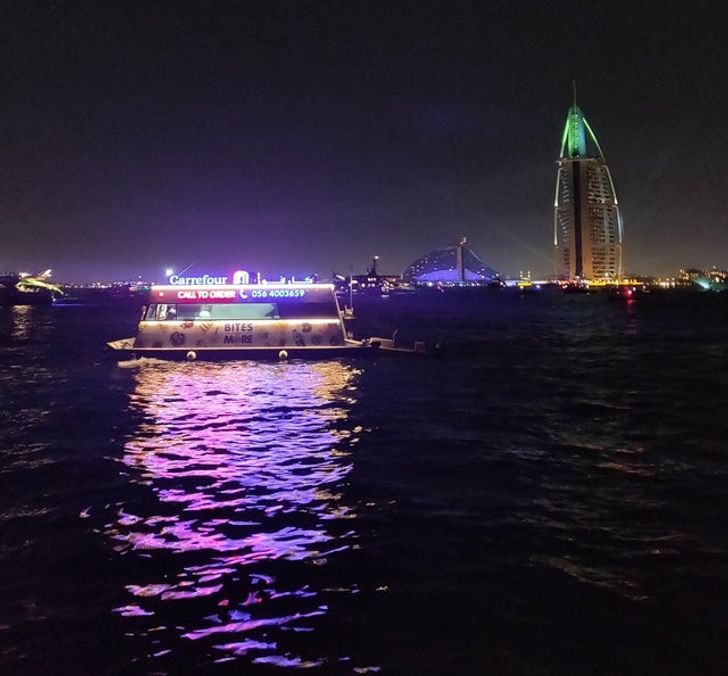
[245, 321]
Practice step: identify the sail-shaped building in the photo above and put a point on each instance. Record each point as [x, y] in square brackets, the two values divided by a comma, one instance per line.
[588, 232]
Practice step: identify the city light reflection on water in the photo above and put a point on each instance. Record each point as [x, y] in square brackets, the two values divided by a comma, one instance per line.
[22, 321]
[244, 465]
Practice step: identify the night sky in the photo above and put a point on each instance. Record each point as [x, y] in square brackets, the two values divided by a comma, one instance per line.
[307, 136]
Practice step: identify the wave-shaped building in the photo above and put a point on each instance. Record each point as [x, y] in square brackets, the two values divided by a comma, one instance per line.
[588, 230]
[451, 264]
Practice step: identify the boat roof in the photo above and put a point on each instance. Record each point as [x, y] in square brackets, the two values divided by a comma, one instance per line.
[240, 287]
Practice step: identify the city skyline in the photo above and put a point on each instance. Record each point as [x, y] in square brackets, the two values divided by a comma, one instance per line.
[306, 138]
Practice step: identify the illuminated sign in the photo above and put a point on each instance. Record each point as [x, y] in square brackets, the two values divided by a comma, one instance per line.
[205, 280]
[284, 292]
[204, 294]
[231, 294]
[245, 293]
[239, 277]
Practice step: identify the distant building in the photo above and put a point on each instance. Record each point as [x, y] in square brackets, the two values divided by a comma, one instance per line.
[709, 280]
[453, 264]
[588, 231]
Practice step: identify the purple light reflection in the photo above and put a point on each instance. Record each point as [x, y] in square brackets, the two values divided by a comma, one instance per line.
[246, 463]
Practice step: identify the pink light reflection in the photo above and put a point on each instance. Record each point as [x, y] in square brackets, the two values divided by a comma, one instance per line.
[246, 463]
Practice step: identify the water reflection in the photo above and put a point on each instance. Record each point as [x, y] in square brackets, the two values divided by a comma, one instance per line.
[19, 323]
[22, 321]
[244, 465]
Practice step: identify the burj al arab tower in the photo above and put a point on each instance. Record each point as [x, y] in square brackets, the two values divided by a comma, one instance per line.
[588, 231]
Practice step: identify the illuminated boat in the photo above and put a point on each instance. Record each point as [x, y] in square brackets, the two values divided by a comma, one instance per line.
[25, 289]
[243, 321]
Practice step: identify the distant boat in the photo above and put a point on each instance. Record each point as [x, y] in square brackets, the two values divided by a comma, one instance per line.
[24, 289]
[711, 284]
[574, 287]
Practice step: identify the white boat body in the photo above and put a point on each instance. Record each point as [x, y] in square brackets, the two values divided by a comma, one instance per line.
[259, 321]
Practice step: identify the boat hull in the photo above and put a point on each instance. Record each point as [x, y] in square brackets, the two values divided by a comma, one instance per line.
[11, 296]
[26, 290]
[125, 349]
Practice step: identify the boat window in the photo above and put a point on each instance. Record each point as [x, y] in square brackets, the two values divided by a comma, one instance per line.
[219, 311]
[243, 311]
[160, 312]
[313, 310]
[282, 309]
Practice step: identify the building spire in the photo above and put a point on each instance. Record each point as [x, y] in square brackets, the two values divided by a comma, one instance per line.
[573, 142]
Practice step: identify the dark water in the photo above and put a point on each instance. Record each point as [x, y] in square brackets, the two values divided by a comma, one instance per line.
[551, 498]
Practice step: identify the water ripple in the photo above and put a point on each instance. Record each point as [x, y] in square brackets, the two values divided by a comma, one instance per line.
[243, 466]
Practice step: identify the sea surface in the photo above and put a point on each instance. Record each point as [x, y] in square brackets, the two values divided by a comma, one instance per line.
[548, 497]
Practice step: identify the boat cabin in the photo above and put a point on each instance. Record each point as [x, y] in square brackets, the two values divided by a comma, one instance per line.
[242, 316]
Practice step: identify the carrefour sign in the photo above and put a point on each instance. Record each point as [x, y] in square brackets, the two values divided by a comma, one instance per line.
[238, 277]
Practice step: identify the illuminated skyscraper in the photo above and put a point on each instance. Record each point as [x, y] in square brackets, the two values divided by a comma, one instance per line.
[588, 229]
